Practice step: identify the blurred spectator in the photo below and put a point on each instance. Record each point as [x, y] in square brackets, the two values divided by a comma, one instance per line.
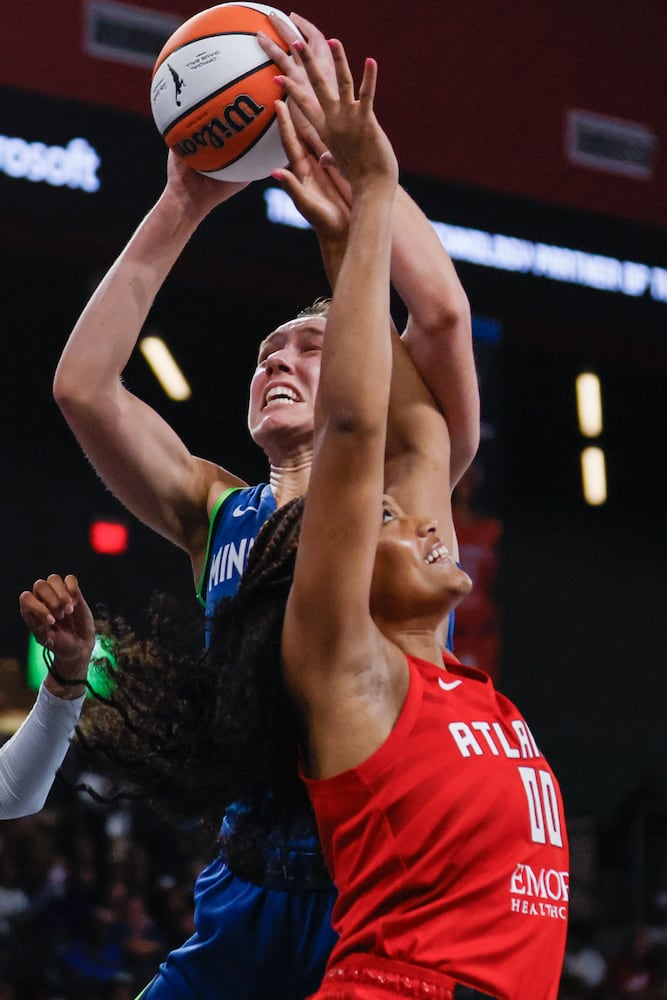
[584, 968]
[92, 959]
[633, 973]
[13, 899]
[90, 897]
[142, 944]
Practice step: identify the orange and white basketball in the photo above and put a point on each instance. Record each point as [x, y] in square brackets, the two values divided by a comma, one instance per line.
[213, 93]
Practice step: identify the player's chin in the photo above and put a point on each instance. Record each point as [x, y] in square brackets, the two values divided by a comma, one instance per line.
[462, 584]
[281, 426]
[287, 418]
[456, 581]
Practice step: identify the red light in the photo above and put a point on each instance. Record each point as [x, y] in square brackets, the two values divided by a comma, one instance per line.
[109, 538]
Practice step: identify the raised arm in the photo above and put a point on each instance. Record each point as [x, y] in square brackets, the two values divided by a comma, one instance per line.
[57, 614]
[438, 333]
[417, 436]
[330, 644]
[136, 453]
[417, 455]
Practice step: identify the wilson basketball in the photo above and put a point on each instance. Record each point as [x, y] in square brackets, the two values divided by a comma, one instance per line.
[213, 93]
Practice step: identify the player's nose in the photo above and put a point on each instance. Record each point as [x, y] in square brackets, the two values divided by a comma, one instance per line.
[279, 361]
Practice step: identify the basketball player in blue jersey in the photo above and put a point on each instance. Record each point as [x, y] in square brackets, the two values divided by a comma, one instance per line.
[268, 934]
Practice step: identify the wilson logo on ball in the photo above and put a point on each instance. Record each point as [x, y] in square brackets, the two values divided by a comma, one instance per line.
[213, 92]
[235, 118]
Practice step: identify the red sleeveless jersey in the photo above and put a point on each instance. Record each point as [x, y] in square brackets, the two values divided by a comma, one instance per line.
[448, 845]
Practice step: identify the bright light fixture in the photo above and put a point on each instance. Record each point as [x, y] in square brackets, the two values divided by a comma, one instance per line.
[165, 368]
[589, 404]
[594, 476]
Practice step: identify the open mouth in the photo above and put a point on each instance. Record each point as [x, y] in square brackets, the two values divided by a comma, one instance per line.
[438, 554]
[281, 394]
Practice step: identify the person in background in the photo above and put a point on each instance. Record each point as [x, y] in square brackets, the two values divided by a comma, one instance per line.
[59, 618]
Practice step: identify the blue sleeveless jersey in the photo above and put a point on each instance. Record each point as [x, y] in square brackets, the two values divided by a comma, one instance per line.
[234, 524]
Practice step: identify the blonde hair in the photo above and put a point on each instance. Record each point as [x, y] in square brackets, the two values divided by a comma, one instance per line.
[320, 307]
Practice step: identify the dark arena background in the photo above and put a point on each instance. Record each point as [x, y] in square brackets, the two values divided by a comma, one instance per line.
[534, 137]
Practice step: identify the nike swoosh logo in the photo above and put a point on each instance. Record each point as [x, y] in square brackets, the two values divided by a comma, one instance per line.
[240, 511]
[448, 687]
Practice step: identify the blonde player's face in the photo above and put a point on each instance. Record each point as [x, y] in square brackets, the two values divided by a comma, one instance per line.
[414, 573]
[284, 386]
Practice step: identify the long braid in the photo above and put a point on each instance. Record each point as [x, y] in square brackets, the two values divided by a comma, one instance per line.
[272, 556]
[193, 730]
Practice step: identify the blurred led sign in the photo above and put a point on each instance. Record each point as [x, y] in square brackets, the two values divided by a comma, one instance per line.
[510, 253]
[74, 165]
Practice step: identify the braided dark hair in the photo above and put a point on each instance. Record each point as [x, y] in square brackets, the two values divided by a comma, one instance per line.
[194, 730]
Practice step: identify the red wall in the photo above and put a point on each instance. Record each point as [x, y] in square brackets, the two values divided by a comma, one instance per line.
[473, 93]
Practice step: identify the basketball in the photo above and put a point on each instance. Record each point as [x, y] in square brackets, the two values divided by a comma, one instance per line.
[213, 93]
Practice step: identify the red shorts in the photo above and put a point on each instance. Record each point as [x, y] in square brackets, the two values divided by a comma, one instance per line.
[368, 977]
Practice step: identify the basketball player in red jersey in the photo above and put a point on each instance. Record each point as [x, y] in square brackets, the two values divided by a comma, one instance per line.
[439, 817]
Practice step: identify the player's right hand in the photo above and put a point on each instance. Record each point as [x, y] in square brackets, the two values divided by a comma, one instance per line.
[58, 616]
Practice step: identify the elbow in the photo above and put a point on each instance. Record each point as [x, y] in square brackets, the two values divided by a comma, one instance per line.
[439, 337]
[76, 395]
[445, 310]
[67, 391]
[450, 318]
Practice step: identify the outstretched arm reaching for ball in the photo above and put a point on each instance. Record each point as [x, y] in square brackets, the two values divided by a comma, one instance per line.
[136, 453]
[57, 614]
[438, 333]
[417, 437]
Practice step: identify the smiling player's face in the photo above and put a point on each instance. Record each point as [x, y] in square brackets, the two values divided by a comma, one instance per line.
[414, 573]
[284, 385]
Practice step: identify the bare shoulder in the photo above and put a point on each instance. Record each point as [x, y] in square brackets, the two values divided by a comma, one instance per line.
[210, 483]
[218, 481]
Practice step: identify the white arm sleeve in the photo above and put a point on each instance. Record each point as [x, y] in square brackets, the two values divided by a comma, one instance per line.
[30, 759]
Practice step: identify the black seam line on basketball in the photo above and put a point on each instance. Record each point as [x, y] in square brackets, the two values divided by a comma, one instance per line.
[215, 93]
[243, 152]
[203, 38]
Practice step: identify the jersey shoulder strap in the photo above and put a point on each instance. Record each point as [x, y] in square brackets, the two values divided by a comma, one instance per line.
[212, 524]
